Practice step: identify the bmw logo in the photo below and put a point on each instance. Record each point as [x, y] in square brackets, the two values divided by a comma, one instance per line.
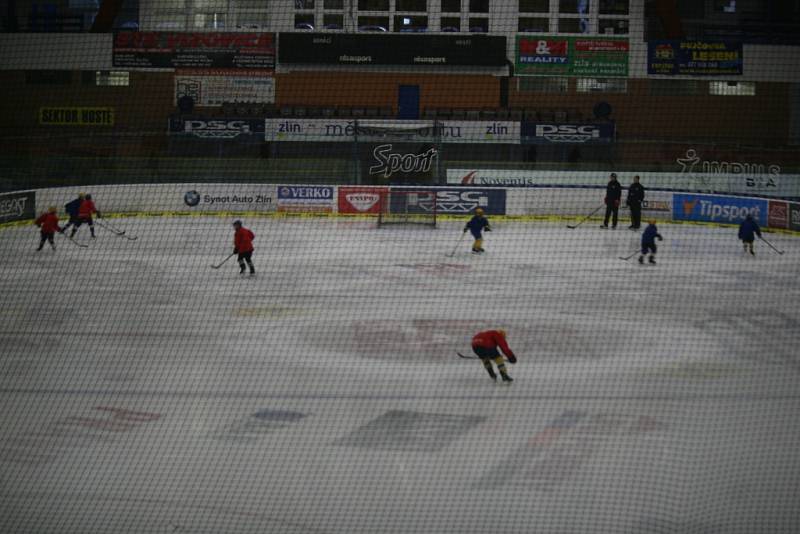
[191, 198]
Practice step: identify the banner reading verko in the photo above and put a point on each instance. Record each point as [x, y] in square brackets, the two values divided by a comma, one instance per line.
[712, 208]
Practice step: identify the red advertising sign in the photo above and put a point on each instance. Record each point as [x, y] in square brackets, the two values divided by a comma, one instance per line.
[210, 50]
[778, 214]
[360, 199]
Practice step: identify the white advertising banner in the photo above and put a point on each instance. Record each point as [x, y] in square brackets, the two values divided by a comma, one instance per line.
[333, 130]
[159, 198]
[213, 87]
[775, 185]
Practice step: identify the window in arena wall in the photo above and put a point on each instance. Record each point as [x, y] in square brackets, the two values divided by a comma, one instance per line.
[373, 23]
[573, 25]
[677, 87]
[478, 25]
[534, 6]
[601, 85]
[108, 78]
[48, 77]
[304, 21]
[574, 6]
[732, 88]
[210, 21]
[451, 24]
[478, 6]
[612, 26]
[332, 21]
[333, 4]
[373, 5]
[451, 6]
[304, 4]
[533, 25]
[614, 7]
[535, 84]
[411, 5]
[410, 23]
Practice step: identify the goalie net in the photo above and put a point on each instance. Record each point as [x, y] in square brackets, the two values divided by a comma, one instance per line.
[407, 207]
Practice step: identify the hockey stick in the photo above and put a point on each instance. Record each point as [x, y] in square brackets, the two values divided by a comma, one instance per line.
[73, 241]
[626, 258]
[467, 357]
[772, 247]
[119, 233]
[572, 227]
[223, 261]
[457, 244]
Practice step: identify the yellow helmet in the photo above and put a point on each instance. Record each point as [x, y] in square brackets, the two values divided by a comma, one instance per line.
[52, 209]
[479, 211]
[501, 332]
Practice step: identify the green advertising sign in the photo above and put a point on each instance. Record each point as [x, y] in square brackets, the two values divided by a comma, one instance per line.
[602, 57]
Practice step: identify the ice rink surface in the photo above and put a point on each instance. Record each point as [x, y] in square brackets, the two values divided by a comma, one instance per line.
[143, 391]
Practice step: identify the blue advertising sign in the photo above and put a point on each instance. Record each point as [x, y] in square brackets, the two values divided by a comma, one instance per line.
[547, 132]
[701, 57]
[463, 201]
[305, 198]
[712, 208]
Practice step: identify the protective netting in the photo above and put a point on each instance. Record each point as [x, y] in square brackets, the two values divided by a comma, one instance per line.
[210, 327]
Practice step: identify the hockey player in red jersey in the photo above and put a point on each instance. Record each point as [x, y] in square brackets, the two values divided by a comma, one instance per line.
[485, 345]
[48, 222]
[85, 212]
[243, 246]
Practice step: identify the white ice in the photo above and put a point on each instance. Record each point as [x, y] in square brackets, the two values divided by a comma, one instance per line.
[143, 391]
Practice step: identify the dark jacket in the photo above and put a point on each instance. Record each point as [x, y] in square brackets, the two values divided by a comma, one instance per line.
[650, 234]
[613, 192]
[477, 224]
[748, 230]
[72, 207]
[635, 193]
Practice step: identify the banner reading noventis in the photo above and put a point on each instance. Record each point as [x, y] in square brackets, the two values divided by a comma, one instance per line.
[571, 56]
[333, 130]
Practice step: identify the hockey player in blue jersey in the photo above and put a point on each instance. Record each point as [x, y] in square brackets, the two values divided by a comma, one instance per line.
[476, 225]
[72, 209]
[649, 237]
[748, 231]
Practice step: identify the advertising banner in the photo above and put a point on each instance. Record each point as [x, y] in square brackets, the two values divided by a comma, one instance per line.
[217, 128]
[548, 133]
[392, 49]
[233, 198]
[466, 200]
[603, 57]
[794, 216]
[76, 116]
[340, 130]
[17, 206]
[712, 208]
[213, 87]
[235, 50]
[778, 216]
[695, 58]
[399, 162]
[360, 199]
[305, 199]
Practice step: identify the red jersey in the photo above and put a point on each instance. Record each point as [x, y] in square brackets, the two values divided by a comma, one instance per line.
[48, 222]
[491, 339]
[86, 209]
[243, 240]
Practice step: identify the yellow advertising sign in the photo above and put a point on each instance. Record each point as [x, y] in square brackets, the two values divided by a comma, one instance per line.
[69, 116]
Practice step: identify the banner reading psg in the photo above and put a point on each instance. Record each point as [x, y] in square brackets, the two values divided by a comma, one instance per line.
[194, 50]
[605, 57]
[695, 58]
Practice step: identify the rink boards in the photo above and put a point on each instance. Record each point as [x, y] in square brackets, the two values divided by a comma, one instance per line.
[517, 202]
